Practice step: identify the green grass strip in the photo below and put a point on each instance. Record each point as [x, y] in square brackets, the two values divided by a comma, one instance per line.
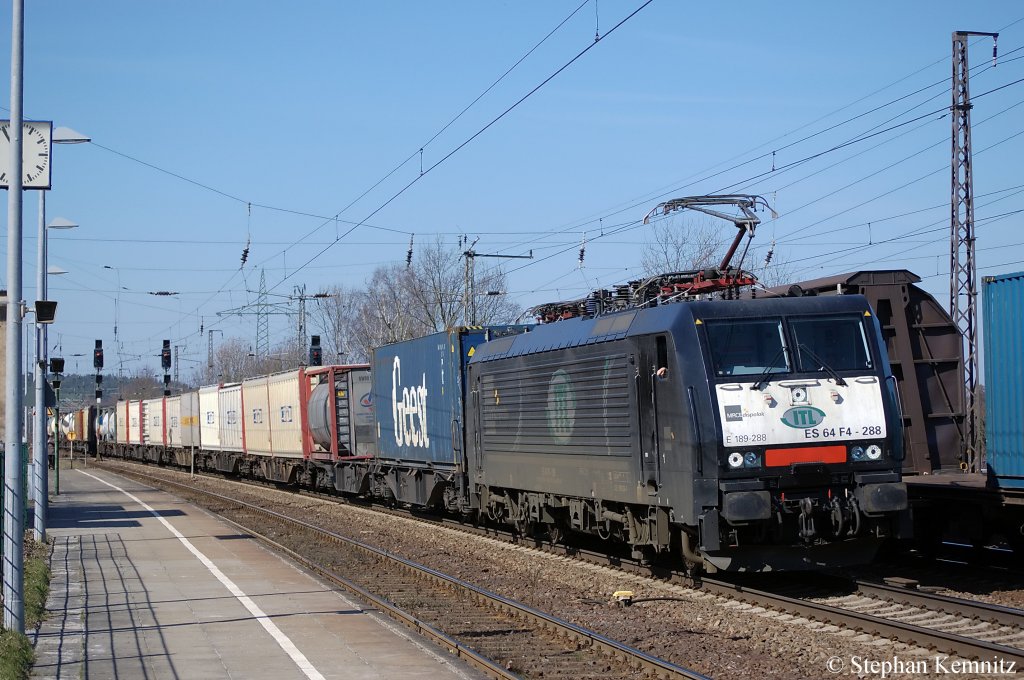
[16, 654]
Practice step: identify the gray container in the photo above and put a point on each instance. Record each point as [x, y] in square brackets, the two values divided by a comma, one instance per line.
[1003, 299]
[418, 394]
[340, 413]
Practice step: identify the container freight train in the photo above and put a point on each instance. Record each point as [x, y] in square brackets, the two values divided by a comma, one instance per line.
[737, 435]
[291, 427]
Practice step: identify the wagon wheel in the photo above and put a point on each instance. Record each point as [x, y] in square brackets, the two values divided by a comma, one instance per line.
[525, 527]
[556, 533]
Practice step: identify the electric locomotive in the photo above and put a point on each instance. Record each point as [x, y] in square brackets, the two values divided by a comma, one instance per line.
[748, 435]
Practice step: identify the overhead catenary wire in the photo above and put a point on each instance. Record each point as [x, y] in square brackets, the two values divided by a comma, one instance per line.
[360, 223]
[450, 153]
[461, 146]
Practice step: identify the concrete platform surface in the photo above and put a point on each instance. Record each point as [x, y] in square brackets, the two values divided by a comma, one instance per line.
[148, 586]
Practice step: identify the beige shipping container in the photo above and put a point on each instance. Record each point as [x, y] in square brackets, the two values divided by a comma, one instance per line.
[273, 415]
[229, 417]
[257, 417]
[285, 392]
[190, 418]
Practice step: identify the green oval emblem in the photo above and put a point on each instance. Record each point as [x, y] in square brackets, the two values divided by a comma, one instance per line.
[561, 404]
[803, 417]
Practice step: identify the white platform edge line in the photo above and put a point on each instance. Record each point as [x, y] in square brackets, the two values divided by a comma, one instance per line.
[282, 640]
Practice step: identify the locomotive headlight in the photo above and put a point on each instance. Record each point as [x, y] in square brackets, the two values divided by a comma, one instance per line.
[857, 453]
[874, 452]
[735, 459]
[750, 459]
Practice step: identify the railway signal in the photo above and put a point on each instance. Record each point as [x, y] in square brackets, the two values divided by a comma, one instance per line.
[316, 353]
[97, 363]
[165, 362]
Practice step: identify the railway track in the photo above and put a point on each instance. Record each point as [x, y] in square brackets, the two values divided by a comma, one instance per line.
[959, 627]
[499, 636]
[964, 628]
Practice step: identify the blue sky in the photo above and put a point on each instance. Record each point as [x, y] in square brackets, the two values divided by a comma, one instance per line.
[304, 107]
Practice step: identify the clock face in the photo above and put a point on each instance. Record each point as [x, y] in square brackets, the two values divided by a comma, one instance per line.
[35, 154]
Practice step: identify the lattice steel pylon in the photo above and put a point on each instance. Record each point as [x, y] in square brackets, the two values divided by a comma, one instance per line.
[963, 291]
[262, 319]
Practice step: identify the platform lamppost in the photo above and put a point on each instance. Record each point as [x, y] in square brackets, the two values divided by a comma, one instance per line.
[39, 472]
[40, 487]
[56, 367]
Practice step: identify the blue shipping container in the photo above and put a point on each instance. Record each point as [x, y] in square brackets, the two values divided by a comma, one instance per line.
[418, 394]
[1003, 310]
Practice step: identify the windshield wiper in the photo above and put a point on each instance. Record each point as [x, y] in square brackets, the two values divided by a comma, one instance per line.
[824, 366]
[769, 369]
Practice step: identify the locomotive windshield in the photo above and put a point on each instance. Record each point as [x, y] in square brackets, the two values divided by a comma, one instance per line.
[747, 347]
[836, 343]
[762, 346]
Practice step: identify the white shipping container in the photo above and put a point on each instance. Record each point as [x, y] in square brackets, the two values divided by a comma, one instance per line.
[209, 423]
[134, 417]
[153, 422]
[229, 417]
[121, 428]
[172, 415]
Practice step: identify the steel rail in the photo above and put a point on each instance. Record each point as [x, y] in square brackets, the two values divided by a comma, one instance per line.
[982, 611]
[657, 667]
[920, 636]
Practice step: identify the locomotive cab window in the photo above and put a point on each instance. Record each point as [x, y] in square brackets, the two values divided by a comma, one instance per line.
[838, 343]
[747, 347]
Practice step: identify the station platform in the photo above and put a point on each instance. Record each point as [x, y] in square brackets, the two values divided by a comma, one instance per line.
[146, 585]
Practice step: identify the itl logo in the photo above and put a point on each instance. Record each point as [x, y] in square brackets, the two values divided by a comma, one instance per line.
[409, 410]
[803, 417]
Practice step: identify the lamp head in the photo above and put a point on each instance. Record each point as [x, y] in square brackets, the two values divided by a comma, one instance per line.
[61, 223]
[46, 311]
[65, 135]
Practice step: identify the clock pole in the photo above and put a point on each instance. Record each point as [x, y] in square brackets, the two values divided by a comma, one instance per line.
[14, 499]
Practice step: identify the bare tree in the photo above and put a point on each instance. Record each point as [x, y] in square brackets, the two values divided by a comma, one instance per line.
[142, 385]
[401, 303]
[493, 305]
[691, 244]
[385, 314]
[335, 317]
[232, 361]
[700, 244]
[437, 287]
